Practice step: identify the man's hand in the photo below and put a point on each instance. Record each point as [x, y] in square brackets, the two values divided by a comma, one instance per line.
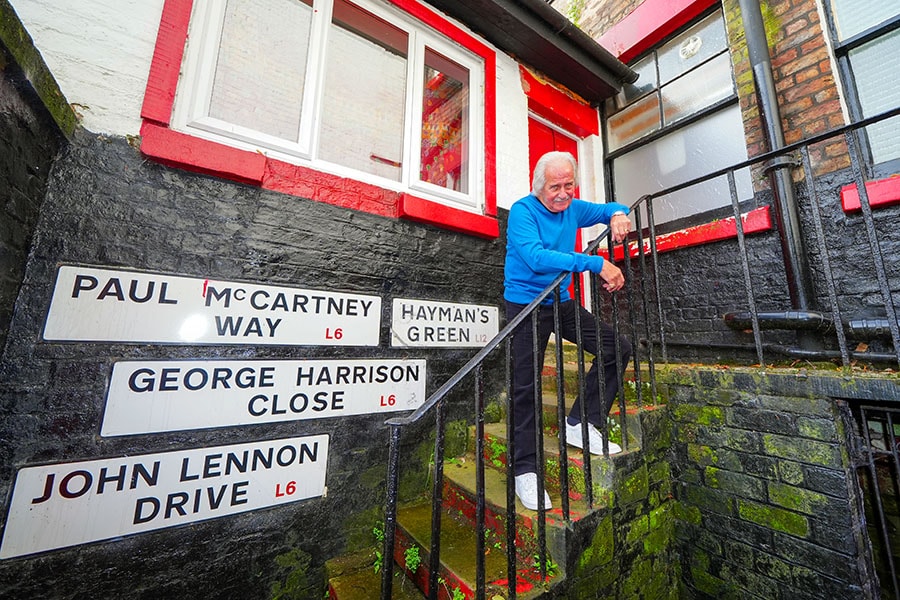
[619, 225]
[612, 277]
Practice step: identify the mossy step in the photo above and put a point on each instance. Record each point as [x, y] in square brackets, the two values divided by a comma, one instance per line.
[601, 467]
[458, 550]
[353, 577]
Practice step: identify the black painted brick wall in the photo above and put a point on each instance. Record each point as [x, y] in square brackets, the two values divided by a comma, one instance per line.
[28, 142]
[769, 506]
[108, 206]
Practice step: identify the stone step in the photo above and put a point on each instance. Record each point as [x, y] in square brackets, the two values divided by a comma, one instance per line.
[353, 577]
[457, 565]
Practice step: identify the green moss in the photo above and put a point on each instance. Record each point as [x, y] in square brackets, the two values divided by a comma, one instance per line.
[802, 450]
[633, 487]
[695, 413]
[774, 518]
[295, 585]
[687, 513]
[637, 530]
[601, 549]
[798, 499]
[20, 45]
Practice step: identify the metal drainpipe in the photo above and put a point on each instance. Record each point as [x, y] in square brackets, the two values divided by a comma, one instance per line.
[786, 212]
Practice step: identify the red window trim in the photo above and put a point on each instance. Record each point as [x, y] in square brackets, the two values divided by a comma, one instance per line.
[649, 24]
[755, 221]
[195, 154]
[881, 193]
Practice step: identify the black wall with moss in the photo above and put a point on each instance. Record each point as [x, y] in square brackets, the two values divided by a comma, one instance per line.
[108, 206]
[28, 142]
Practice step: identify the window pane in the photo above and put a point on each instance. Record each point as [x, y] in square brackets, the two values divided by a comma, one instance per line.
[874, 67]
[634, 122]
[698, 89]
[855, 16]
[365, 87]
[712, 143]
[258, 77]
[646, 70]
[693, 47]
[445, 122]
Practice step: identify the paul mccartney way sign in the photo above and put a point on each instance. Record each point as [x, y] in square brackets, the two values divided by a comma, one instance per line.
[103, 305]
[66, 504]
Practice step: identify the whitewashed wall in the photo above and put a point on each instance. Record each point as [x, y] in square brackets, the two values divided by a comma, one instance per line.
[99, 51]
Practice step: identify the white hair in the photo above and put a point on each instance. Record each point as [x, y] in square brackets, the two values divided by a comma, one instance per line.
[539, 179]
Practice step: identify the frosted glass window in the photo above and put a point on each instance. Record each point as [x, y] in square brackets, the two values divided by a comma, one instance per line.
[636, 121]
[852, 17]
[365, 83]
[701, 87]
[445, 123]
[692, 48]
[874, 67]
[259, 78]
[712, 143]
[646, 82]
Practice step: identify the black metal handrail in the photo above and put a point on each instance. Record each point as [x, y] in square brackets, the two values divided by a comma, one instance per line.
[436, 401]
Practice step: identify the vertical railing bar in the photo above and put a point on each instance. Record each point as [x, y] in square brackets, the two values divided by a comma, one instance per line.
[873, 472]
[629, 295]
[582, 404]
[511, 522]
[745, 265]
[601, 371]
[437, 503]
[891, 443]
[618, 346]
[561, 411]
[654, 254]
[826, 261]
[538, 408]
[390, 514]
[651, 361]
[479, 483]
[856, 164]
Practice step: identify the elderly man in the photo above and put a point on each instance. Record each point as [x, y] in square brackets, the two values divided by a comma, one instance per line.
[540, 245]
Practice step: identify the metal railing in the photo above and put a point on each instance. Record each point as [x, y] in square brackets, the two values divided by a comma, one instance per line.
[642, 299]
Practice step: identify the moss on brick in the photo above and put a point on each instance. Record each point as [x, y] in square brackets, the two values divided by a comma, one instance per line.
[802, 450]
[774, 518]
[795, 498]
[601, 549]
[704, 415]
[633, 487]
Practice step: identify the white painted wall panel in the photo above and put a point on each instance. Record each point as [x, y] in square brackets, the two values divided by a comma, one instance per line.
[99, 51]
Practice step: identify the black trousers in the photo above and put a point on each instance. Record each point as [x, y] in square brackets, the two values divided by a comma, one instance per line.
[523, 392]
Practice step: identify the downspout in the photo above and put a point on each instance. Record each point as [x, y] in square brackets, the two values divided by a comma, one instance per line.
[786, 212]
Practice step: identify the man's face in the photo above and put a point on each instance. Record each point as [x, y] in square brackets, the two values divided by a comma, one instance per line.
[559, 188]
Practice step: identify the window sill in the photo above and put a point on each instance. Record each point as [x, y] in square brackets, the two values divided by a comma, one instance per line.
[881, 193]
[755, 221]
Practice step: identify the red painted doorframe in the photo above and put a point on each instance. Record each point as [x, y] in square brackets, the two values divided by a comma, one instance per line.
[542, 139]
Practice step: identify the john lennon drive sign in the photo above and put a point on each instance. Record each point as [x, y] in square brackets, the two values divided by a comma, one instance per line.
[104, 305]
[65, 504]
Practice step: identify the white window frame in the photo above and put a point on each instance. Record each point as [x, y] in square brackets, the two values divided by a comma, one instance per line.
[191, 106]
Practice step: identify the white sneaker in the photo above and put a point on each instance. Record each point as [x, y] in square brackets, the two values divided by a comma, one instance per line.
[527, 491]
[573, 438]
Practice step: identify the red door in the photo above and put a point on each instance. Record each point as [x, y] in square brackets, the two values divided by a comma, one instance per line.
[543, 139]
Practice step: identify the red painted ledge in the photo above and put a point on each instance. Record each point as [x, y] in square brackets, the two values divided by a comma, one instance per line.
[187, 152]
[649, 24]
[755, 221]
[425, 211]
[881, 193]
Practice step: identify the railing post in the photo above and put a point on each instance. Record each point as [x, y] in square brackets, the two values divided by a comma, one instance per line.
[390, 514]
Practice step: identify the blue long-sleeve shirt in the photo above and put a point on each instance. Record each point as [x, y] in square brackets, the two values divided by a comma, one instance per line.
[541, 244]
